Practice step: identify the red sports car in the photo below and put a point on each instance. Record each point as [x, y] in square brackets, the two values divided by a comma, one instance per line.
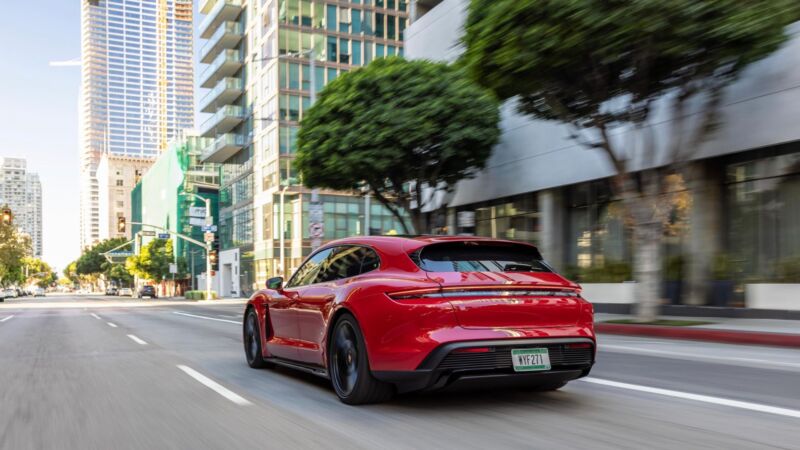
[379, 315]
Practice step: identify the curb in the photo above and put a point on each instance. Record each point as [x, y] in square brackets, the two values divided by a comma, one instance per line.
[702, 334]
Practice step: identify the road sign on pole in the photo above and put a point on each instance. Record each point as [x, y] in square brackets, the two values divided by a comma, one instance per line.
[209, 237]
[316, 219]
[209, 228]
[148, 233]
[163, 235]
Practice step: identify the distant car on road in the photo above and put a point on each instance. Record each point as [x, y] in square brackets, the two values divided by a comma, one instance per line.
[147, 291]
[125, 292]
[38, 292]
[111, 291]
[11, 293]
[379, 315]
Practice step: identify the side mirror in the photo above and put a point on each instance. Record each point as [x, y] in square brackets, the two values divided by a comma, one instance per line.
[275, 283]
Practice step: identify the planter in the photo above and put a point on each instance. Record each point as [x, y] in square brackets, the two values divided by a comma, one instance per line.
[784, 296]
[721, 293]
[623, 293]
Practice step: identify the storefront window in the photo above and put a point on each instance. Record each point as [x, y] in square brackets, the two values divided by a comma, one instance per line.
[515, 218]
[596, 235]
[763, 199]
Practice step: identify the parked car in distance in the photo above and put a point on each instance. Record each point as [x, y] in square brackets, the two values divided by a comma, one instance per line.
[125, 292]
[111, 290]
[384, 315]
[11, 293]
[147, 291]
[38, 292]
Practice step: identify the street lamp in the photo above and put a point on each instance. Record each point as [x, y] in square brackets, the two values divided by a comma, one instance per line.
[209, 243]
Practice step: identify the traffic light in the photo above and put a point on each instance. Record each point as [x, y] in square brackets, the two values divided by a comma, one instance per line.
[213, 256]
[7, 216]
[121, 224]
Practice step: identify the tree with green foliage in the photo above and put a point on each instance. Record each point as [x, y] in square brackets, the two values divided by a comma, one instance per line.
[152, 262]
[600, 66]
[38, 272]
[402, 129]
[14, 247]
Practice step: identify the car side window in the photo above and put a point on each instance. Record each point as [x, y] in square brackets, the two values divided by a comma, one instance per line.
[347, 262]
[309, 271]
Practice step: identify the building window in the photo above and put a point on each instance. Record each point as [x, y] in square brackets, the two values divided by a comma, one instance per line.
[120, 183]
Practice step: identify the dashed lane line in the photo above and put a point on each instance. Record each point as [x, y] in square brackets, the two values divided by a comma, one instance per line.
[214, 386]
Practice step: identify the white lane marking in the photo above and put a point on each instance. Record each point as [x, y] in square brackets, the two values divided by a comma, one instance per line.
[6, 318]
[206, 318]
[214, 386]
[137, 340]
[112, 325]
[95, 316]
[699, 398]
[693, 356]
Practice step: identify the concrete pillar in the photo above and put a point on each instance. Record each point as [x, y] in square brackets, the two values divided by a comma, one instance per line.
[706, 232]
[552, 227]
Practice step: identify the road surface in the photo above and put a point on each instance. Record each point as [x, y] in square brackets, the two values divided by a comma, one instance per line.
[100, 373]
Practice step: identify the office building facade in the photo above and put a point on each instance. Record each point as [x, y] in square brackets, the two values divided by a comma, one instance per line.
[21, 191]
[265, 62]
[137, 87]
[742, 187]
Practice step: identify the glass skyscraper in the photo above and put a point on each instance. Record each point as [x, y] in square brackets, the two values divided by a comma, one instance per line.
[265, 59]
[137, 88]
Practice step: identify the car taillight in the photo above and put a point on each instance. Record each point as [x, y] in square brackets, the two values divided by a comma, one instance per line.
[579, 345]
[473, 350]
[415, 294]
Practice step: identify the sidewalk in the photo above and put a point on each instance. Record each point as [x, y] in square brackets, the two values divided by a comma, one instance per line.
[782, 333]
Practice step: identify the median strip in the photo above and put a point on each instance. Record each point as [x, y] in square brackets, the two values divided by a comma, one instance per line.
[137, 340]
[699, 398]
[206, 317]
[214, 386]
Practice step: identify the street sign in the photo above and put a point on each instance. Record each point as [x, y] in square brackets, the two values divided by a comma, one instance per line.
[209, 228]
[120, 254]
[209, 237]
[148, 233]
[315, 213]
[173, 268]
[197, 211]
[316, 230]
[197, 222]
[163, 235]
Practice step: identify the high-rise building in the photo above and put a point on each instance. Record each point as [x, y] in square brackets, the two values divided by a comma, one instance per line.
[116, 177]
[21, 191]
[137, 87]
[265, 60]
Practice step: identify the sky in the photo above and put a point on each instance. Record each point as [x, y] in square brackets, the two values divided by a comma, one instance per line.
[39, 117]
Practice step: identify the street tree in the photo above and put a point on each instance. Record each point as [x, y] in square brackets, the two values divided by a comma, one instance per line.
[601, 66]
[402, 129]
[38, 272]
[14, 247]
[153, 261]
[93, 265]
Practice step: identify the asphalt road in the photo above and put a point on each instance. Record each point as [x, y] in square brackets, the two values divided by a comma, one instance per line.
[98, 373]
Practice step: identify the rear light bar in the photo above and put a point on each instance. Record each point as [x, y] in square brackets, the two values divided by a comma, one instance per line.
[450, 293]
[473, 350]
[579, 345]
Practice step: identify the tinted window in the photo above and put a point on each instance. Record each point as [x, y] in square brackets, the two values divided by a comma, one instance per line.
[309, 271]
[479, 257]
[348, 262]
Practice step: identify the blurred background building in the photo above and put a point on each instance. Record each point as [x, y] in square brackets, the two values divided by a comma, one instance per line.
[137, 89]
[736, 229]
[116, 175]
[21, 191]
[167, 197]
[265, 60]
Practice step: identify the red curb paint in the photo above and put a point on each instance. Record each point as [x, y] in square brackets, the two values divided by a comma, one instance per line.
[700, 334]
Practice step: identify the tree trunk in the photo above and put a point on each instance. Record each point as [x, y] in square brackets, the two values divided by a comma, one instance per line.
[419, 220]
[647, 269]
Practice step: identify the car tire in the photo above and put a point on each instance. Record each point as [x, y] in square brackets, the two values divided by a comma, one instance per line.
[251, 337]
[348, 366]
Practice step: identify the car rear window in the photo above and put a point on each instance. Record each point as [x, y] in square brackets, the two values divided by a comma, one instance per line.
[471, 256]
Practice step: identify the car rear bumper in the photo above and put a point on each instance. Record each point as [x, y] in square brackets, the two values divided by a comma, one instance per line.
[445, 367]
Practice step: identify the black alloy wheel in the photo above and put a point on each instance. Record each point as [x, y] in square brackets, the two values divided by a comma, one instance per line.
[348, 366]
[252, 341]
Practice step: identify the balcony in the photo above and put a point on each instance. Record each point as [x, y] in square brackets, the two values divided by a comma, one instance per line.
[223, 148]
[223, 121]
[224, 93]
[220, 11]
[224, 65]
[227, 36]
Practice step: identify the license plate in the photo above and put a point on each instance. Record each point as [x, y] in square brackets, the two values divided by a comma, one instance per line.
[530, 359]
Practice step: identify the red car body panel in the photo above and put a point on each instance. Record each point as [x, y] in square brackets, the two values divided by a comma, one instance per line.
[400, 333]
